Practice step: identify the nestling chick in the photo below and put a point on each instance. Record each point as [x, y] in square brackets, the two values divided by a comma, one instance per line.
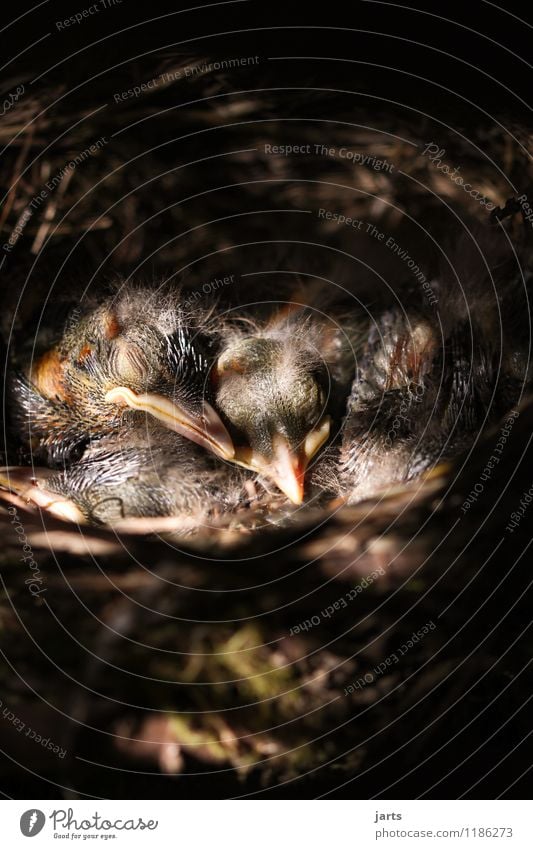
[276, 387]
[430, 380]
[138, 472]
[133, 354]
[147, 472]
[384, 435]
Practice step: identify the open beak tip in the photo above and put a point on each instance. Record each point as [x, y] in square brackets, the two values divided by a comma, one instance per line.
[295, 498]
[292, 486]
[289, 466]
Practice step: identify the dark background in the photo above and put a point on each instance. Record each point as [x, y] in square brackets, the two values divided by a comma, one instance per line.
[480, 54]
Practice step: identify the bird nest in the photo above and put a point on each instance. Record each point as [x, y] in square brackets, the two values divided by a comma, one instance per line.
[354, 647]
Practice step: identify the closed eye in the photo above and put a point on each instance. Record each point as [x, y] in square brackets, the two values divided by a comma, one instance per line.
[128, 363]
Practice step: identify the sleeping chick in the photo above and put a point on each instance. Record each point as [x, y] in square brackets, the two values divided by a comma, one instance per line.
[431, 379]
[278, 386]
[150, 472]
[128, 355]
[140, 472]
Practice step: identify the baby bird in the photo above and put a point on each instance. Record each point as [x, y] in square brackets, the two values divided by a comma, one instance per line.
[385, 436]
[133, 354]
[431, 378]
[140, 472]
[149, 472]
[277, 388]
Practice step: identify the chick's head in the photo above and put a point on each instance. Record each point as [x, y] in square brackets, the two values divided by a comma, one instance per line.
[127, 357]
[273, 393]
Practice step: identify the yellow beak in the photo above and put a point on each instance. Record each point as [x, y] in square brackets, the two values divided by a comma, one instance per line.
[287, 466]
[205, 429]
